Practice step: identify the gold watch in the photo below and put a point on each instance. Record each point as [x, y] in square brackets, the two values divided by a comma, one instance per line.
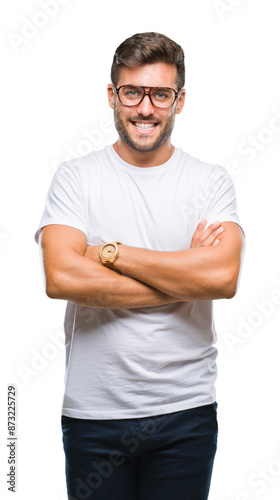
[109, 254]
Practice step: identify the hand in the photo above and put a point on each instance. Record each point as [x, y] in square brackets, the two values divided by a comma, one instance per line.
[209, 237]
[93, 253]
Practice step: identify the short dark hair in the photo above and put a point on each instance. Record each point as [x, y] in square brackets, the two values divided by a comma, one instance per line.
[148, 48]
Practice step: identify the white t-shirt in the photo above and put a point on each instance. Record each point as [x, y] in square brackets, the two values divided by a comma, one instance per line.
[127, 363]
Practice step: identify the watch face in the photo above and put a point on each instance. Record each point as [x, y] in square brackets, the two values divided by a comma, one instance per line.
[108, 251]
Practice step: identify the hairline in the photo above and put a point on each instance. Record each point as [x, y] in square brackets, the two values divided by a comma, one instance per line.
[125, 66]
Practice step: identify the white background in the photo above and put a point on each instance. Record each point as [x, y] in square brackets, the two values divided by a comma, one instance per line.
[53, 97]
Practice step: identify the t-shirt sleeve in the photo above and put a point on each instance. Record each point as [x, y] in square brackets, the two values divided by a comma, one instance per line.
[66, 202]
[219, 198]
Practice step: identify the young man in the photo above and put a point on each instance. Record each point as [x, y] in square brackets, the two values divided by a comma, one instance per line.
[139, 238]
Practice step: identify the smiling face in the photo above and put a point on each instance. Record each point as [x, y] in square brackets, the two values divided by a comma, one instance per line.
[145, 128]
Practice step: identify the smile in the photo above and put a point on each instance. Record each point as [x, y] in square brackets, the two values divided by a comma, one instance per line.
[145, 126]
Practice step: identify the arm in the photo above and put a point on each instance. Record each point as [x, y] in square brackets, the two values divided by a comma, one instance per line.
[73, 271]
[203, 273]
[70, 275]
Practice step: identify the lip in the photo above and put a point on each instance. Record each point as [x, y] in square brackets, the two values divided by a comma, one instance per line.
[144, 130]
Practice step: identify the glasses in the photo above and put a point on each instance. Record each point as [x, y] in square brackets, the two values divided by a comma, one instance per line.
[160, 97]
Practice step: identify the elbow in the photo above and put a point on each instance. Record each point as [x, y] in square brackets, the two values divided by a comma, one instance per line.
[51, 292]
[53, 287]
[230, 284]
[230, 292]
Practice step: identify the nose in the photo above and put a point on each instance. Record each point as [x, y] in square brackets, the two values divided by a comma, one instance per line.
[145, 107]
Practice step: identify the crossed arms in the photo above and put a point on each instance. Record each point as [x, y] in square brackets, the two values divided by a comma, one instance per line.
[208, 270]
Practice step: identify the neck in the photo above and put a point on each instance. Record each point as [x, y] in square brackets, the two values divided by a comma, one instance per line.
[144, 160]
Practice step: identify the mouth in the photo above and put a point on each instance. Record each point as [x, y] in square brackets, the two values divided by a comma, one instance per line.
[144, 127]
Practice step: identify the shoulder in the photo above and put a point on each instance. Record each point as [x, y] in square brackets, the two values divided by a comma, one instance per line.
[201, 165]
[203, 171]
[80, 168]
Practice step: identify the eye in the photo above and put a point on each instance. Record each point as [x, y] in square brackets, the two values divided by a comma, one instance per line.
[161, 94]
[131, 92]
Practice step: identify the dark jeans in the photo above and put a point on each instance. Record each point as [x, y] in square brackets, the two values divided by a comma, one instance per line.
[167, 457]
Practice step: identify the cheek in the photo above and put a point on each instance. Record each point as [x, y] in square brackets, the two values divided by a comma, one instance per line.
[170, 117]
[120, 112]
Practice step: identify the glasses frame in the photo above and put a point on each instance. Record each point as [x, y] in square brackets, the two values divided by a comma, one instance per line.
[148, 93]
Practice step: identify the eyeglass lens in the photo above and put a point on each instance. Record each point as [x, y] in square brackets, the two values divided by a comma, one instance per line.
[131, 96]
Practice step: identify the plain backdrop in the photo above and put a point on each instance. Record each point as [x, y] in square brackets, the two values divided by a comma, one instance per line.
[56, 58]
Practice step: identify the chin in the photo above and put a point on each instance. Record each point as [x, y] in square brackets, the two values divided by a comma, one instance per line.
[144, 148]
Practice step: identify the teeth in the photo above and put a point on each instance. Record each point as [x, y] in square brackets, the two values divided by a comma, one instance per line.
[144, 125]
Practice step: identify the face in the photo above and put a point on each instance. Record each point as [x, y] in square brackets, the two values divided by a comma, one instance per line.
[145, 128]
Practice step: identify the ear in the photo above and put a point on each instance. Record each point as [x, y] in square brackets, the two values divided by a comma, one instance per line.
[111, 95]
[181, 101]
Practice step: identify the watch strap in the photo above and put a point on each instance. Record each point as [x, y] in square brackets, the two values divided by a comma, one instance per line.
[111, 265]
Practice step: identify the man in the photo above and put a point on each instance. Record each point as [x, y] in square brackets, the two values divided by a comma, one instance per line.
[139, 238]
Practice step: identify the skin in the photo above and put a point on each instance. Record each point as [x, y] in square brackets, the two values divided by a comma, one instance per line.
[73, 271]
[145, 148]
[208, 270]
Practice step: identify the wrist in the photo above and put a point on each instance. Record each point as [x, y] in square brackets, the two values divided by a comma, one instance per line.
[92, 253]
[129, 260]
[121, 259]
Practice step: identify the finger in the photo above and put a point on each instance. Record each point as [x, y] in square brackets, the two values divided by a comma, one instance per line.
[212, 237]
[210, 230]
[201, 226]
[205, 238]
[198, 232]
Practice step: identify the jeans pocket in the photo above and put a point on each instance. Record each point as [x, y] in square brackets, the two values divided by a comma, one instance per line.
[215, 406]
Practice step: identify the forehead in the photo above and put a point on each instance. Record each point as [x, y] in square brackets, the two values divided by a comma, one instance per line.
[149, 75]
